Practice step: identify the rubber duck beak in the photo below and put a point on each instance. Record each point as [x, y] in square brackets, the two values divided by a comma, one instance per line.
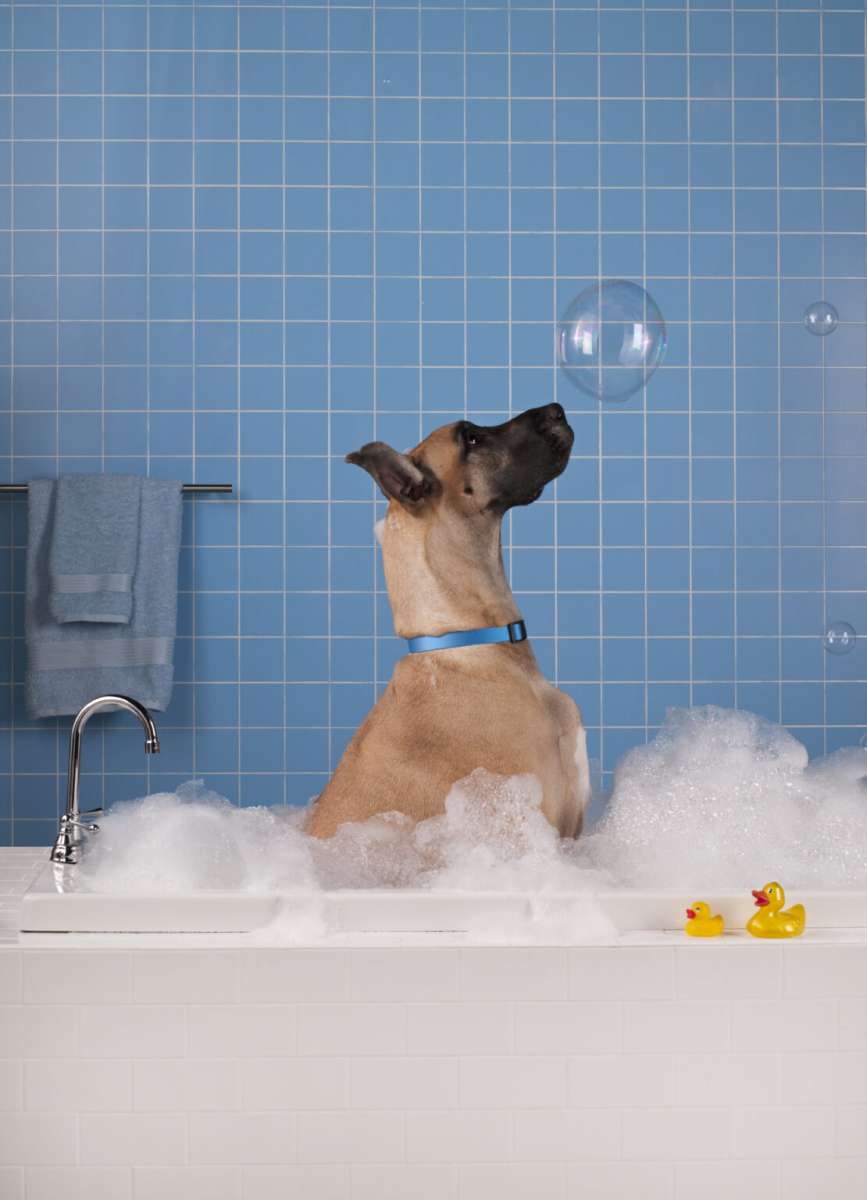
[690, 912]
[761, 899]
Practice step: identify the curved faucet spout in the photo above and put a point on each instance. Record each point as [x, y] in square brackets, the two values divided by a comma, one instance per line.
[66, 847]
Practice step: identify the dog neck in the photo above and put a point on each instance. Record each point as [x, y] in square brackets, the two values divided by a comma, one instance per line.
[445, 574]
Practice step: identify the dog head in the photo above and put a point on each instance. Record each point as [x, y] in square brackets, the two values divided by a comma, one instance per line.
[474, 469]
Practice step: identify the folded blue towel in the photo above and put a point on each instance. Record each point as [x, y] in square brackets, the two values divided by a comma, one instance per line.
[69, 664]
[94, 547]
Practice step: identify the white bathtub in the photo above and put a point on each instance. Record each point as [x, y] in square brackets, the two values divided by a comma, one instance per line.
[57, 903]
[378, 1065]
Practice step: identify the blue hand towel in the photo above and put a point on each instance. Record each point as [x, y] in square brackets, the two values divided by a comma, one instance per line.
[69, 664]
[94, 547]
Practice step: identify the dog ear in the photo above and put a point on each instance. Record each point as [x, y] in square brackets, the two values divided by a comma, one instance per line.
[398, 477]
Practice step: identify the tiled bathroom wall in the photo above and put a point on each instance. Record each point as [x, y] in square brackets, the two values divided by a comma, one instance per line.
[237, 241]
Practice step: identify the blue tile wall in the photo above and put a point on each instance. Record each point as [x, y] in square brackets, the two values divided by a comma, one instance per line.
[237, 241]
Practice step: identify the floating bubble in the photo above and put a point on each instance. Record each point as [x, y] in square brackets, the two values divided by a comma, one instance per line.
[611, 339]
[840, 638]
[821, 318]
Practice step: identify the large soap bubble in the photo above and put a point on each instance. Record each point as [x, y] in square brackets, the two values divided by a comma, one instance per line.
[611, 339]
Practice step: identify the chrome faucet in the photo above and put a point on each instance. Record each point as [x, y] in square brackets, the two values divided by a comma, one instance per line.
[66, 848]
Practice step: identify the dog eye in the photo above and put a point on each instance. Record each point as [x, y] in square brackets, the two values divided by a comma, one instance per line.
[472, 438]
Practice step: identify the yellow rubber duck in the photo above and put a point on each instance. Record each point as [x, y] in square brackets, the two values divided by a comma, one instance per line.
[772, 920]
[701, 923]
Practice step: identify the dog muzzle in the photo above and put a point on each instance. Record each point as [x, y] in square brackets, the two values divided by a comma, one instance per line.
[490, 636]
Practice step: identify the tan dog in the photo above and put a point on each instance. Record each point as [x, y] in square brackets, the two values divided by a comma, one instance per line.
[446, 712]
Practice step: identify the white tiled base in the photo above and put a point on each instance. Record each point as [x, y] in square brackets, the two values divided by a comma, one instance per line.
[549, 1074]
[148, 1068]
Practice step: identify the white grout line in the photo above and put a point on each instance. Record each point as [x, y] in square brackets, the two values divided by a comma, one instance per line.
[329, 399]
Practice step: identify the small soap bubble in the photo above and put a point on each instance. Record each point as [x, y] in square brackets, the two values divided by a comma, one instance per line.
[611, 339]
[840, 638]
[821, 318]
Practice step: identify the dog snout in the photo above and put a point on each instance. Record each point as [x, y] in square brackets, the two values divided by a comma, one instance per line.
[550, 421]
[548, 418]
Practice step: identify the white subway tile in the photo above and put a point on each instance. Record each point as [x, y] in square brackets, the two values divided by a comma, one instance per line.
[241, 1030]
[621, 1080]
[573, 1027]
[459, 1028]
[294, 1083]
[39, 1139]
[851, 1134]
[11, 1091]
[853, 1024]
[295, 976]
[812, 1179]
[739, 1079]
[809, 1078]
[186, 1183]
[76, 977]
[418, 1181]
[293, 1183]
[826, 970]
[456, 1137]
[514, 973]
[513, 1181]
[31, 1031]
[404, 1083]
[775, 1132]
[729, 1181]
[351, 1029]
[621, 1181]
[131, 1031]
[10, 974]
[793, 1025]
[77, 1085]
[350, 1137]
[12, 1183]
[709, 972]
[185, 977]
[567, 1135]
[176, 1085]
[242, 1138]
[683, 1025]
[77, 1183]
[621, 973]
[528, 1082]
[850, 1078]
[669, 1134]
[132, 1139]
[393, 975]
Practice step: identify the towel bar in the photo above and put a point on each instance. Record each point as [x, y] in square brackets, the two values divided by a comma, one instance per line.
[6, 488]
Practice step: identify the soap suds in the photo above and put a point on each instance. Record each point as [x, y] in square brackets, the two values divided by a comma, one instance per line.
[719, 799]
[491, 837]
[723, 799]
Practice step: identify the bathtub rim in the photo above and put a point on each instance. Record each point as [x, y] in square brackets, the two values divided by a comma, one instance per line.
[47, 907]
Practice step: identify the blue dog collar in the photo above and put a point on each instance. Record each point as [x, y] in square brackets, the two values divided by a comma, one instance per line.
[516, 632]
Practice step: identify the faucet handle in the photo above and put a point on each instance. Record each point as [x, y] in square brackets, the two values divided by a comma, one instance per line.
[87, 826]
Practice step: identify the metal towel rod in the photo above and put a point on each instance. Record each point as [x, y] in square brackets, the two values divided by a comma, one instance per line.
[7, 488]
